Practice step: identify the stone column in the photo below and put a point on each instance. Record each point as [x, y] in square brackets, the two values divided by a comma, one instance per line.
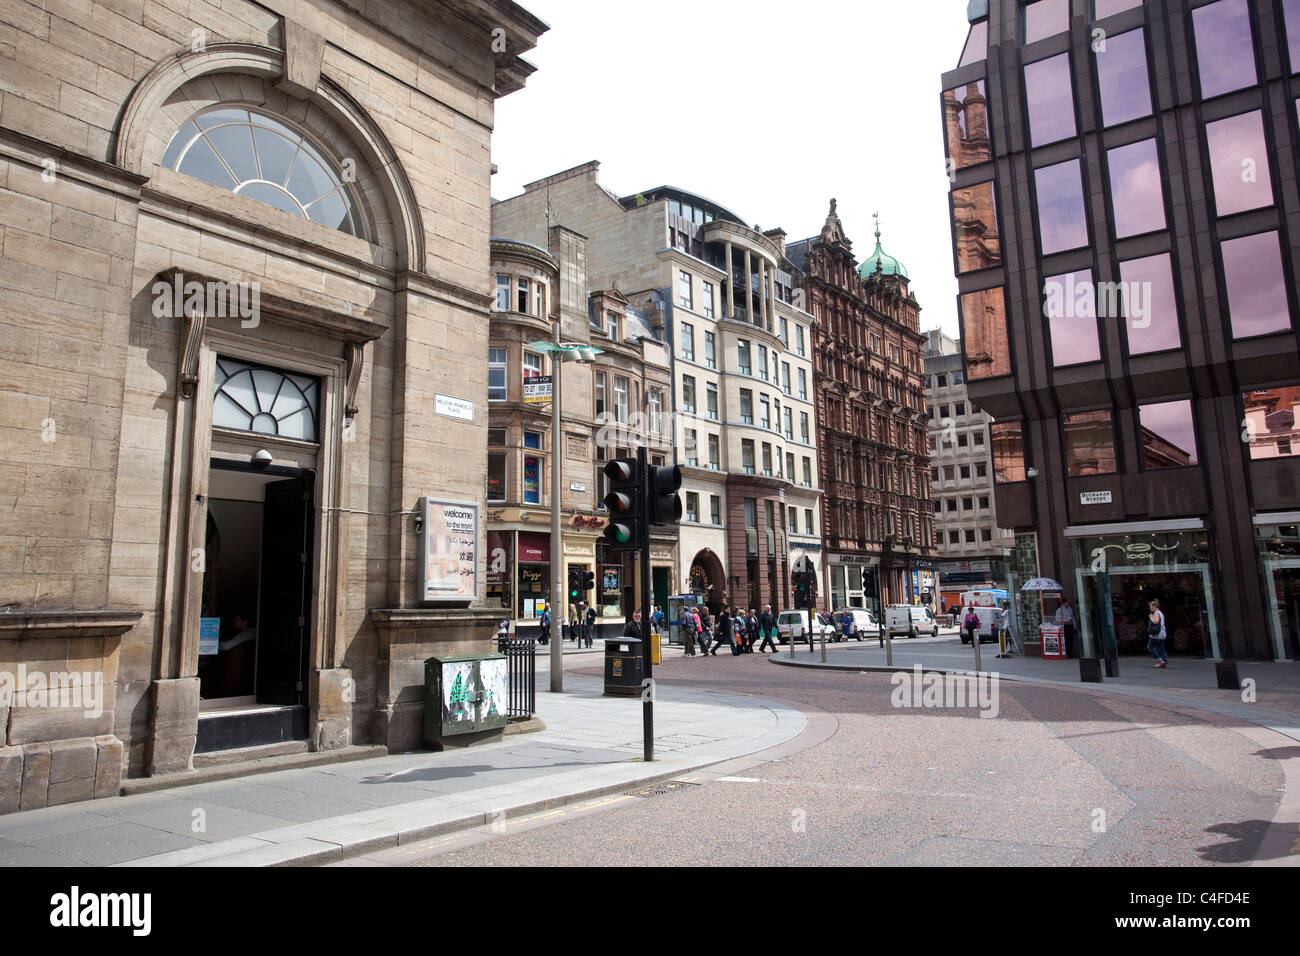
[749, 299]
[731, 288]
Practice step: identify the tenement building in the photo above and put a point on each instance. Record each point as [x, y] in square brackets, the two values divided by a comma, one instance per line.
[542, 300]
[877, 520]
[972, 548]
[244, 307]
[1126, 235]
[739, 413]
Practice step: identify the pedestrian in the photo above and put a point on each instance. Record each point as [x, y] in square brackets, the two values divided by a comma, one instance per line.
[690, 632]
[706, 630]
[591, 624]
[1005, 638]
[767, 625]
[971, 625]
[1156, 634]
[723, 633]
[846, 625]
[751, 631]
[633, 627]
[546, 625]
[1065, 618]
[659, 620]
[573, 622]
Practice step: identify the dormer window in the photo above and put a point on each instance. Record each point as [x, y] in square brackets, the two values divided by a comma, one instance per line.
[613, 326]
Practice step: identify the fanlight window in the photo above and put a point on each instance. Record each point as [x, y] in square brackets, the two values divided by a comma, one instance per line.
[253, 398]
[259, 157]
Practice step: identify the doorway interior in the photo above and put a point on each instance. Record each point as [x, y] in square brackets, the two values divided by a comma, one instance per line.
[1185, 598]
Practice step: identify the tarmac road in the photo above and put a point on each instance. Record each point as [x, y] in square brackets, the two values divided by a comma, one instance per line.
[1058, 777]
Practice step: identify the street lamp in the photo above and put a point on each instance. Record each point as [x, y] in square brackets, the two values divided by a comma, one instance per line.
[560, 353]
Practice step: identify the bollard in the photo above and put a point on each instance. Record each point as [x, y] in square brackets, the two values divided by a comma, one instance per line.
[976, 641]
[889, 645]
[823, 645]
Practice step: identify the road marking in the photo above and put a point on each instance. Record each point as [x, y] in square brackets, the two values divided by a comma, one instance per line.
[739, 780]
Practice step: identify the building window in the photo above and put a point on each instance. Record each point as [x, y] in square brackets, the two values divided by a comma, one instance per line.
[1168, 434]
[1069, 302]
[794, 520]
[764, 419]
[1122, 78]
[532, 365]
[612, 327]
[264, 400]
[970, 535]
[808, 521]
[496, 477]
[684, 297]
[715, 453]
[502, 303]
[1257, 302]
[984, 502]
[711, 397]
[1106, 8]
[1136, 194]
[1225, 55]
[655, 407]
[803, 385]
[787, 420]
[522, 295]
[496, 437]
[784, 334]
[1089, 443]
[1008, 452]
[785, 377]
[803, 427]
[767, 459]
[742, 356]
[708, 300]
[539, 299]
[261, 158]
[688, 394]
[746, 407]
[984, 335]
[968, 504]
[974, 215]
[967, 125]
[1062, 223]
[981, 470]
[692, 507]
[762, 362]
[965, 472]
[807, 472]
[952, 504]
[620, 399]
[715, 509]
[1150, 307]
[600, 395]
[977, 43]
[1045, 18]
[692, 449]
[1234, 142]
[688, 342]
[798, 341]
[496, 375]
[532, 480]
[1272, 417]
[747, 455]
[533, 440]
[1049, 96]
[789, 467]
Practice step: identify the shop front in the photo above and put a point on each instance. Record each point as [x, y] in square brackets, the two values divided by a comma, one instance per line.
[1279, 555]
[854, 582]
[1120, 569]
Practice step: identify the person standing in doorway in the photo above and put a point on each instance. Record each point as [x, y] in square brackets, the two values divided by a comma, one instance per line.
[1065, 618]
[1156, 634]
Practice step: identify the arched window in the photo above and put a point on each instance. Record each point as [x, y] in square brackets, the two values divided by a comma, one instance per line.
[255, 398]
[254, 155]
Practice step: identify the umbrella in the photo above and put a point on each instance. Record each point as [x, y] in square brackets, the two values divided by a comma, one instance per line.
[1042, 584]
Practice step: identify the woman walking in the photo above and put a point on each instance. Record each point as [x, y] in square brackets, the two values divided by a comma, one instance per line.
[971, 624]
[1156, 634]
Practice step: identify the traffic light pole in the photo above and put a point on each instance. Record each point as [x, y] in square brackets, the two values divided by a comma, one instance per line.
[557, 503]
[647, 689]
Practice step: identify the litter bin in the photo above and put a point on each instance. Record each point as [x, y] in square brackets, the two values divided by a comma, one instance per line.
[624, 667]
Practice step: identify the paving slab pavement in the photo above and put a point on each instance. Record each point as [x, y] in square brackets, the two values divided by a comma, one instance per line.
[592, 745]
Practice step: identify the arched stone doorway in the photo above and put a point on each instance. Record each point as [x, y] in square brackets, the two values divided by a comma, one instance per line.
[707, 580]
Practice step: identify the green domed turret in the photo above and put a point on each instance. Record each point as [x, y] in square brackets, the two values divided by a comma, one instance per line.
[888, 264]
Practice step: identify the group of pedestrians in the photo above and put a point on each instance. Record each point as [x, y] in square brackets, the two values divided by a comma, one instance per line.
[738, 630]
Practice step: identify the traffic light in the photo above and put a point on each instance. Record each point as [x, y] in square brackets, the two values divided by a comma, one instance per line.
[588, 581]
[800, 581]
[626, 504]
[575, 584]
[665, 504]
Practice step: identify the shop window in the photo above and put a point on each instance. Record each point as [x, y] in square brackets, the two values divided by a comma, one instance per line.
[1168, 434]
[532, 480]
[1136, 194]
[1239, 163]
[984, 335]
[1062, 222]
[1008, 452]
[1089, 443]
[267, 401]
[496, 477]
[256, 156]
[1225, 55]
[1257, 299]
[975, 225]
[966, 114]
[1150, 306]
[1272, 416]
[1049, 97]
[1122, 78]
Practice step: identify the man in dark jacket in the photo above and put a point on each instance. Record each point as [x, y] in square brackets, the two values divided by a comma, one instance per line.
[723, 633]
[767, 625]
[590, 630]
[633, 628]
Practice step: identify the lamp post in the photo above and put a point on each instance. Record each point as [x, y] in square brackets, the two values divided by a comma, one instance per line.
[560, 353]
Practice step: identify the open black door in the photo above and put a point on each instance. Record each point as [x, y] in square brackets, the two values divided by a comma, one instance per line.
[283, 607]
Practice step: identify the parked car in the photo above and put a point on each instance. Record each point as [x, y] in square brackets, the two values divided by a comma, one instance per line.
[797, 625]
[910, 619]
[865, 622]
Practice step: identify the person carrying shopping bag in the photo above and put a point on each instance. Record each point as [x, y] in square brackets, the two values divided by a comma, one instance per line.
[1156, 634]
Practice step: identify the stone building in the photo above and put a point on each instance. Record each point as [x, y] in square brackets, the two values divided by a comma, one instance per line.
[877, 521]
[740, 410]
[244, 304]
[970, 545]
[534, 290]
[1126, 237]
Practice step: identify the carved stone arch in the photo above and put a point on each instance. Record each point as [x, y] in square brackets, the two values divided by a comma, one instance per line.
[139, 145]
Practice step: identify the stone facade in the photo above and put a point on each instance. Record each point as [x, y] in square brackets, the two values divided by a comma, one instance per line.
[108, 435]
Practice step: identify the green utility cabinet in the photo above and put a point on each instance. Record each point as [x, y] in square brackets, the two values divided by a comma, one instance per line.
[468, 694]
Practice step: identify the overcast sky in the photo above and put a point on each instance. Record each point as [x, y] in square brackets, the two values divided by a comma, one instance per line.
[768, 108]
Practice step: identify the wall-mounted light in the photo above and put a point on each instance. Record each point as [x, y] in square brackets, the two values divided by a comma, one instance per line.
[261, 458]
[1031, 472]
[419, 522]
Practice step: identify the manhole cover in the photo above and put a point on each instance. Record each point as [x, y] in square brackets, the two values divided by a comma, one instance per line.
[660, 788]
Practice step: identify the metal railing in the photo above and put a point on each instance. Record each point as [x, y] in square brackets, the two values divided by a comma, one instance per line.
[521, 674]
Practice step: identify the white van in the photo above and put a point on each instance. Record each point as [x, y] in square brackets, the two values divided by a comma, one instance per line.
[795, 625]
[988, 605]
[910, 619]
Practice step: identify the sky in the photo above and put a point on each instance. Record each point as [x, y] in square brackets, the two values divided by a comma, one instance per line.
[767, 108]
